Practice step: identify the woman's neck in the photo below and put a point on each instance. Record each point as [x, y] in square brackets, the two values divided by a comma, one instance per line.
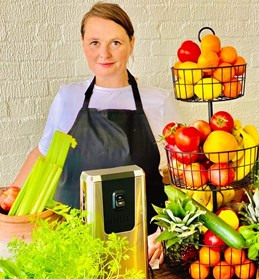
[115, 82]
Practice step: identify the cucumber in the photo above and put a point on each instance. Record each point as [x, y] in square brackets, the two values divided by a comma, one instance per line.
[211, 221]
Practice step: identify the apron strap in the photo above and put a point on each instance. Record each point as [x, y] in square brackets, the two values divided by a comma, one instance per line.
[133, 84]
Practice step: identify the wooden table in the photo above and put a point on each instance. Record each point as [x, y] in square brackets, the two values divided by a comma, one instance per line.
[165, 272]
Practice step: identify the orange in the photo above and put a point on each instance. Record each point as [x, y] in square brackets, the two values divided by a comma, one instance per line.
[209, 256]
[207, 60]
[223, 270]
[234, 256]
[225, 72]
[198, 270]
[176, 65]
[232, 88]
[210, 42]
[228, 54]
[220, 146]
[245, 270]
[240, 68]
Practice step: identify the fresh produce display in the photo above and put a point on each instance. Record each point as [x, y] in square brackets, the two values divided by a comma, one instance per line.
[40, 186]
[216, 171]
[221, 251]
[219, 153]
[208, 70]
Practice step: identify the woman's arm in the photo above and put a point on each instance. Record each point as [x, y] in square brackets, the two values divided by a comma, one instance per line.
[27, 167]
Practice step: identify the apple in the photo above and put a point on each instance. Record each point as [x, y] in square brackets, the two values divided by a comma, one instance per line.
[8, 196]
[203, 127]
[221, 174]
[185, 157]
[229, 215]
[212, 240]
[195, 175]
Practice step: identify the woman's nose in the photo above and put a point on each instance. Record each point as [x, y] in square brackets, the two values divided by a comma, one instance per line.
[105, 51]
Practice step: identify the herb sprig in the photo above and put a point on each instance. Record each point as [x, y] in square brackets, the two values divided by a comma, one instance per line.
[67, 249]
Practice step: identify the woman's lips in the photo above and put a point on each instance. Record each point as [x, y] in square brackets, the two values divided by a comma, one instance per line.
[106, 65]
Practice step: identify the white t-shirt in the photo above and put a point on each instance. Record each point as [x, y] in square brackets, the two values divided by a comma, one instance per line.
[158, 105]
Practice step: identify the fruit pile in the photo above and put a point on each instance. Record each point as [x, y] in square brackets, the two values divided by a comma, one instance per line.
[221, 245]
[218, 153]
[208, 71]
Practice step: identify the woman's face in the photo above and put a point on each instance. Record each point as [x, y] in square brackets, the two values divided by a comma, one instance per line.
[107, 48]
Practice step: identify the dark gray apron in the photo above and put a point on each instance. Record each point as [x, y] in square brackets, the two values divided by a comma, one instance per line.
[111, 138]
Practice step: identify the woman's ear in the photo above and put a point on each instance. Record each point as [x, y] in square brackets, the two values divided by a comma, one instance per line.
[132, 42]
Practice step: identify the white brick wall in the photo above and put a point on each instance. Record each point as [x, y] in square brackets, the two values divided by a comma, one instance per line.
[40, 49]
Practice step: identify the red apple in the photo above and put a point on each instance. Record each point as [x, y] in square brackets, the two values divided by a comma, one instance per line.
[8, 196]
[185, 157]
[212, 240]
[203, 127]
[221, 174]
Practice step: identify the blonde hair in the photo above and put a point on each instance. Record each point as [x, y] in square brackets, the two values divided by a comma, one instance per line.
[111, 12]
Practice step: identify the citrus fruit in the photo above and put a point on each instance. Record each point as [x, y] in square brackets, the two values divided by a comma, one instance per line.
[176, 65]
[207, 60]
[232, 88]
[229, 216]
[183, 91]
[220, 146]
[189, 72]
[225, 72]
[245, 270]
[239, 66]
[208, 256]
[228, 54]
[198, 270]
[223, 270]
[210, 42]
[208, 88]
[234, 256]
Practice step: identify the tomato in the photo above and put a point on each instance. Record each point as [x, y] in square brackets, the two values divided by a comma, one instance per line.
[222, 120]
[195, 175]
[168, 133]
[203, 127]
[187, 139]
[221, 174]
[8, 196]
[212, 240]
[185, 157]
[189, 51]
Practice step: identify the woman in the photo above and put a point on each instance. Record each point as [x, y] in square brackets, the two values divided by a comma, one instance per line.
[113, 120]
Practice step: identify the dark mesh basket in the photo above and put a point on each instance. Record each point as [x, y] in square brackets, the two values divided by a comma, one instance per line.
[190, 177]
[214, 263]
[194, 85]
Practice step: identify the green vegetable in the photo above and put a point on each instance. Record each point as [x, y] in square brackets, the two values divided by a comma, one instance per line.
[43, 179]
[230, 236]
[68, 251]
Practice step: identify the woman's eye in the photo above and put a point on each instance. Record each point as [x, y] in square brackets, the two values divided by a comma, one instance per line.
[94, 43]
[116, 43]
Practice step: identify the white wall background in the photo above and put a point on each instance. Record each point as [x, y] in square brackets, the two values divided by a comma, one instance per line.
[40, 49]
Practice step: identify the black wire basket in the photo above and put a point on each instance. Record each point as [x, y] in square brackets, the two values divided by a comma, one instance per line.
[195, 176]
[193, 83]
[204, 261]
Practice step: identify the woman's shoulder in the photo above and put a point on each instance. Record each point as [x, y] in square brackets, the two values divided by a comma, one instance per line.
[75, 87]
[151, 92]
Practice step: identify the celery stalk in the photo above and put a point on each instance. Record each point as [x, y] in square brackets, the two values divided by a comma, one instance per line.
[32, 194]
[49, 187]
[40, 186]
[23, 192]
[51, 173]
